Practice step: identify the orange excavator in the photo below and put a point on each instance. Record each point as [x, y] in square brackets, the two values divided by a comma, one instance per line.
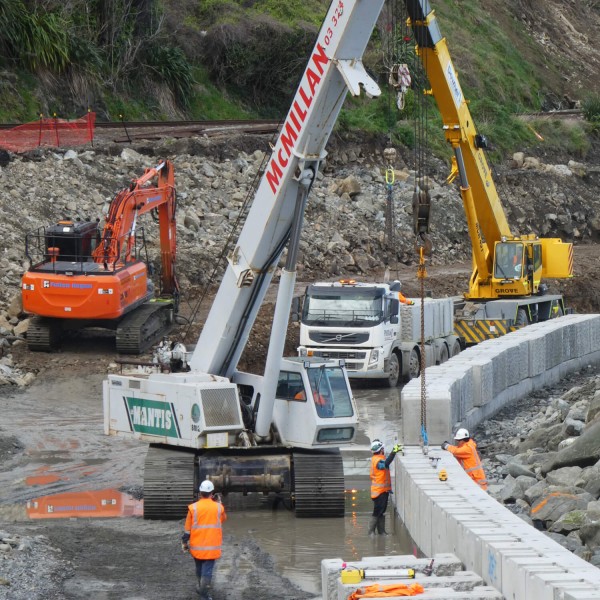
[82, 277]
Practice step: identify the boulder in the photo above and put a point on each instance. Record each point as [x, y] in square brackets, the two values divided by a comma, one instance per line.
[567, 476]
[569, 522]
[551, 507]
[582, 452]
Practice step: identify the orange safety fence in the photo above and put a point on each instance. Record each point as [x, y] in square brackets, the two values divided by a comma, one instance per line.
[386, 591]
[49, 132]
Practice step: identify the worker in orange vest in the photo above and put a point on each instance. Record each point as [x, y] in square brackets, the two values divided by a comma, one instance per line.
[203, 535]
[381, 484]
[401, 297]
[466, 453]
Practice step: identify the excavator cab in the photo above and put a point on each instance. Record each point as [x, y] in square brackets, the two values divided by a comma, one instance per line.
[66, 244]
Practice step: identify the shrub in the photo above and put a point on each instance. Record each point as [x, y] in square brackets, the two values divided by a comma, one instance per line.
[261, 59]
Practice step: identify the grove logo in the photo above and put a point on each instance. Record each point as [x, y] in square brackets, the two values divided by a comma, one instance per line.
[153, 417]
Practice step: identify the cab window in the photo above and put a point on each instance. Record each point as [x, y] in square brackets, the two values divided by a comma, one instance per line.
[290, 387]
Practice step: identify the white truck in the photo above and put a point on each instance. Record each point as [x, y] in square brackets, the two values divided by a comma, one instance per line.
[377, 336]
[281, 431]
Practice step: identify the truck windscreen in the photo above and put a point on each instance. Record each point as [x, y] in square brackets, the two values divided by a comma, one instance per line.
[343, 308]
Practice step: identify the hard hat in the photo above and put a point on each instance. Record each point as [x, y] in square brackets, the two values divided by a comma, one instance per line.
[376, 446]
[443, 475]
[207, 486]
[462, 434]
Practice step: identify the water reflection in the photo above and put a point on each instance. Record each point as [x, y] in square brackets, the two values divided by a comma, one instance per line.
[98, 504]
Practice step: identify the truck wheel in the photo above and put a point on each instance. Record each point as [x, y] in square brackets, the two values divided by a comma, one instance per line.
[455, 349]
[444, 354]
[522, 318]
[393, 371]
[414, 365]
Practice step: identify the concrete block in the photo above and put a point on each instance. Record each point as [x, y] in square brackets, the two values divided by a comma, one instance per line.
[499, 365]
[582, 595]
[569, 342]
[554, 347]
[553, 586]
[537, 354]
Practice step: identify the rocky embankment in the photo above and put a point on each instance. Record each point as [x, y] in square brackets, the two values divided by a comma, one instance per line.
[345, 225]
[542, 458]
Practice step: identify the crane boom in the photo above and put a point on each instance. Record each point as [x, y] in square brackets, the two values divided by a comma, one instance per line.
[279, 432]
[505, 288]
[334, 68]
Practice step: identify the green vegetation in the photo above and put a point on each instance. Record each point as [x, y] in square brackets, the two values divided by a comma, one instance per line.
[591, 109]
[228, 59]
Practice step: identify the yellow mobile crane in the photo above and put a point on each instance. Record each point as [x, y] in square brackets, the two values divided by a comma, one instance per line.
[505, 290]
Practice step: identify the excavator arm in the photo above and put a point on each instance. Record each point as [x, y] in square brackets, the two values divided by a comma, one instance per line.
[118, 234]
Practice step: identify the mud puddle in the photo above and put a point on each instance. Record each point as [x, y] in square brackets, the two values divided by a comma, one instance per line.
[297, 546]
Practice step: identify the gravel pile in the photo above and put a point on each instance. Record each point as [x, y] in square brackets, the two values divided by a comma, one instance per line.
[29, 564]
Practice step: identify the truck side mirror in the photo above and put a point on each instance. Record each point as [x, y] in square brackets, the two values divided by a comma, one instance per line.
[296, 309]
[394, 319]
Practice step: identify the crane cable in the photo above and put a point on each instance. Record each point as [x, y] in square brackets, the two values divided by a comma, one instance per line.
[421, 213]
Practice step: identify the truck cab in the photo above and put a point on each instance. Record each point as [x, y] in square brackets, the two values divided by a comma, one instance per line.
[378, 336]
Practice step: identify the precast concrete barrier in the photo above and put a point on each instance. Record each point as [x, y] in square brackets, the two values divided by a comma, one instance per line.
[457, 517]
[474, 385]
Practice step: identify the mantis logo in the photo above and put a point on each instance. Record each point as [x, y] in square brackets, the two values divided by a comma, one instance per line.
[152, 417]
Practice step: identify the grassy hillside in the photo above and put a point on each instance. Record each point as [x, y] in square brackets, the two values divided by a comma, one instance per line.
[184, 59]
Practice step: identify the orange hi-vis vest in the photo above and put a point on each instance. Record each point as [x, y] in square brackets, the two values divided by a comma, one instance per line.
[203, 523]
[469, 459]
[381, 480]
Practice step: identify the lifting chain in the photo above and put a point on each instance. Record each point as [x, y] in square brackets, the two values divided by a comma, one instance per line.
[421, 275]
[390, 221]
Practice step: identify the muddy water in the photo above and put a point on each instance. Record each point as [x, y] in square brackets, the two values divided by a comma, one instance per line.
[67, 467]
[297, 546]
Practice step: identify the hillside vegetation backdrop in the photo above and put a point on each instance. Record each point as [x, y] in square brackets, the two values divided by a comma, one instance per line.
[222, 59]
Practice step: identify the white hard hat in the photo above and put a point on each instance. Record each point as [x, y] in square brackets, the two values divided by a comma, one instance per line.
[376, 446]
[462, 434]
[207, 486]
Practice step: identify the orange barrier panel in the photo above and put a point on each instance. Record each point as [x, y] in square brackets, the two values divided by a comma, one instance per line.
[49, 132]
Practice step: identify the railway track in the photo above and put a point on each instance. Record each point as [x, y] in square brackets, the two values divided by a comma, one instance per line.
[127, 131]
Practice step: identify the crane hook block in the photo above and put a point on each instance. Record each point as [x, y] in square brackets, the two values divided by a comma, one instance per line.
[423, 243]
[421, 205]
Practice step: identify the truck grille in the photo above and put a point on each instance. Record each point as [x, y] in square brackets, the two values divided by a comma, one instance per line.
[325, 337]
[344, 355]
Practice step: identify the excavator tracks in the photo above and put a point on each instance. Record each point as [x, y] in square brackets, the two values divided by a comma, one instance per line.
[318, 484]
[144, 327]
[169, 485]
[43, 335]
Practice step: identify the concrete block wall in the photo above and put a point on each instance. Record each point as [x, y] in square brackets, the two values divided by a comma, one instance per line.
[483, 379]
[458, 518]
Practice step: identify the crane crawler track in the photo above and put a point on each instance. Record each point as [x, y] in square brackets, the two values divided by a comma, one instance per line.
[319, 484]
[143, 327]
[168, 483]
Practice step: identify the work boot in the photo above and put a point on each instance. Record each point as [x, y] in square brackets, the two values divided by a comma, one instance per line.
[372, 525]
[205, 588]
[381, 525]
